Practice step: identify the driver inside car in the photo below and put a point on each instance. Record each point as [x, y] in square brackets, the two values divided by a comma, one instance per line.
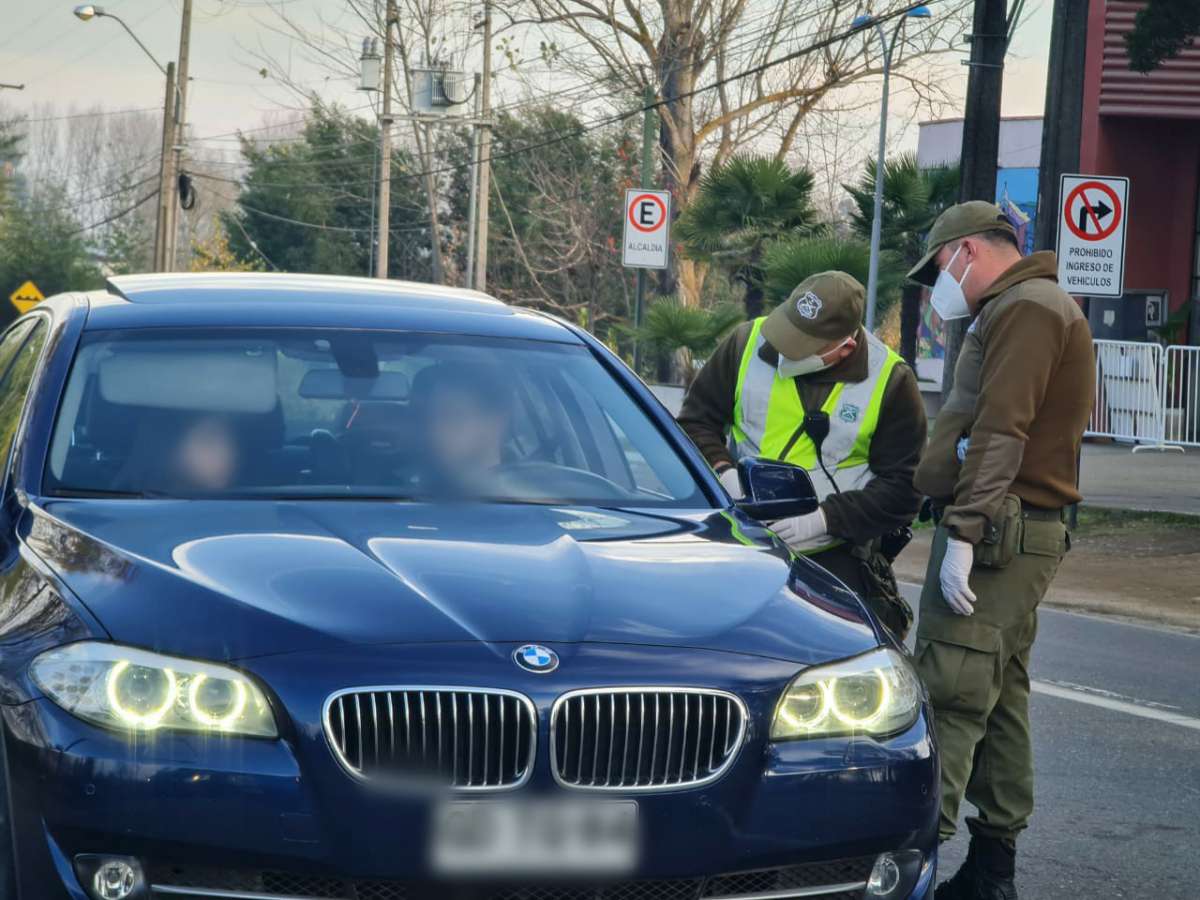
[464, 413]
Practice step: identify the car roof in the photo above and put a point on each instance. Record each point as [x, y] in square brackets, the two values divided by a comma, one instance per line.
[265, 299]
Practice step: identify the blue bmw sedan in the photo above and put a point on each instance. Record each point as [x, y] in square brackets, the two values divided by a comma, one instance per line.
[336, 588]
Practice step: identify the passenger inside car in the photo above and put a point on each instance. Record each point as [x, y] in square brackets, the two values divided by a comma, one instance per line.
[201, 454]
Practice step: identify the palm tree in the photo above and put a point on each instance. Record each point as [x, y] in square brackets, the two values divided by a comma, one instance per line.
[741, 207]
[788, 261]
[912, 199]
[671, 326]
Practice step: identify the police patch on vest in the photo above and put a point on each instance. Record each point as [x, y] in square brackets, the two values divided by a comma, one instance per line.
[808, 305]
[849, 413]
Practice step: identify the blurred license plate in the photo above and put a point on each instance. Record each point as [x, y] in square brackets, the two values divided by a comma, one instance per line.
[550, 837]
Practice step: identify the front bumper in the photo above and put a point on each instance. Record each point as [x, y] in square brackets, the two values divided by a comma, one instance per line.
[185, 805]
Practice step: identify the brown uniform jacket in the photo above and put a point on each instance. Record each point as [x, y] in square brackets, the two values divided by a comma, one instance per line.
[1022, 395]
[889, 500]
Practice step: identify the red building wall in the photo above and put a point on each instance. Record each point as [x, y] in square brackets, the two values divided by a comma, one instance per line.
[1146, 128]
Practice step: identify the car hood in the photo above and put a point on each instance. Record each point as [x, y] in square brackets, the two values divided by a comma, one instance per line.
[236, 579]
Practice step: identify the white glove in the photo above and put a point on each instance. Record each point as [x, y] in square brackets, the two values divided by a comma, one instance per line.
[801, 533]
[731, 482]
[955, 575]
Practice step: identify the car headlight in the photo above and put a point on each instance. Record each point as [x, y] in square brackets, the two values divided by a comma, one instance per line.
[876, 694]
[136, 690]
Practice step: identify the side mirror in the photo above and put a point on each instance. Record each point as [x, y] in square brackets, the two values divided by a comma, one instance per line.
[775, 490]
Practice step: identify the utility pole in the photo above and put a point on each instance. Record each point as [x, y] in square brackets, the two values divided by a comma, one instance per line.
[166, 192]
[649, 132]
[1062, 122]
[423, 138]
[384, 200]
[435, 229]
[485, 151]
[981, 133]
[180, 133]
[472, 204]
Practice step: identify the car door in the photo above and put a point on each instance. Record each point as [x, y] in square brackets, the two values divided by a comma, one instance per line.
[20, 351]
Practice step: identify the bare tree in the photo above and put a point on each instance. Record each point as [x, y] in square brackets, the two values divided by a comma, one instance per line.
[427, 32]
[97, 164]
[715, 67]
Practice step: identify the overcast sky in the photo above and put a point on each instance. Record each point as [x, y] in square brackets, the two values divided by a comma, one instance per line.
[76, 65]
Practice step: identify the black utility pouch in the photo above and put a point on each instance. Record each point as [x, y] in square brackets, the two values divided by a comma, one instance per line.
[1002, 539]
[880, 583]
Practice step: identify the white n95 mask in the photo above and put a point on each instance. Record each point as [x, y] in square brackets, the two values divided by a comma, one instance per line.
[790, 368]
[947, 296]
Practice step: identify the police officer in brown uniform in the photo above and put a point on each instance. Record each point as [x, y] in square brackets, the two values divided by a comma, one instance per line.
[1000, 468]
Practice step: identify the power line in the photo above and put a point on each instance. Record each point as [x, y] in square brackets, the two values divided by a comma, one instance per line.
[100, 113]
[239, 133]
[80, 200]
[253, 245]
[346, 229]
[641, 109]
[117, 215]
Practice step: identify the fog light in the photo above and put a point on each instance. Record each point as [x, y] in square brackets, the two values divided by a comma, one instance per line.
[115, 880]
[885, 877]
[111, 877]
[894, 875]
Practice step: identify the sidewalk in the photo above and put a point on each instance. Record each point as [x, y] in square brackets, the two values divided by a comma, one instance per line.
[1148, 577]
[1162, 481]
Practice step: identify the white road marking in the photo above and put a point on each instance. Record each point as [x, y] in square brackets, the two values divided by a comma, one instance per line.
[1112, 695]
[1108, 702]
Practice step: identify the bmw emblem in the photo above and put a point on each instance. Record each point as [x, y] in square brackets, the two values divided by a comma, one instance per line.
[536, 658]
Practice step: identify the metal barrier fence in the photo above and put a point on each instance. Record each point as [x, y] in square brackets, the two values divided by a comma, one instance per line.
[1147, 394]
[1181, 396]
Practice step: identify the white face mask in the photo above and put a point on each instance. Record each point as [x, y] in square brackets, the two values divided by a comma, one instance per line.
[947, 296]
[790, 368]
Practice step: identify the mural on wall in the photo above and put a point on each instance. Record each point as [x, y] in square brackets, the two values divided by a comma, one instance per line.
[1016, 195]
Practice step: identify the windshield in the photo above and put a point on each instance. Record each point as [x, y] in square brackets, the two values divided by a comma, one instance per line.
[298, 413]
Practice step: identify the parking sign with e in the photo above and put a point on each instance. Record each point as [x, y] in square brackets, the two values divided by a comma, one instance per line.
[1091, 235]
[647, 238]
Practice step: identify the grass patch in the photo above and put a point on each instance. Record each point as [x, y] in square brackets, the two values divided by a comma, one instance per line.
[1100, 520]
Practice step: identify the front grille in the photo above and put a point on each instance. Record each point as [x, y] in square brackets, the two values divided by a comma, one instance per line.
[464, 738]
[835, 880]
[644, 738]
[778, 882]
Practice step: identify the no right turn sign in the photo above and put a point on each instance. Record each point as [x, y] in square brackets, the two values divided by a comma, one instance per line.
[1091, 235]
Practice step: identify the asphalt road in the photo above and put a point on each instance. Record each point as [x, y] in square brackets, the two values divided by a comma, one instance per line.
[1162, 481]
[1116, 727]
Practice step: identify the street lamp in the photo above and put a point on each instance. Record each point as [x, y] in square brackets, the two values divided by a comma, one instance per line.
[174, 105]
[917, 12]
[87, 12]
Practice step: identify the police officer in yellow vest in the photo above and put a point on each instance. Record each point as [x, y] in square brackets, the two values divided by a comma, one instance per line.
[809, 374]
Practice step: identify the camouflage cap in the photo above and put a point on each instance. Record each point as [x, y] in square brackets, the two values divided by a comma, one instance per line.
[823, 308]
[960, 221]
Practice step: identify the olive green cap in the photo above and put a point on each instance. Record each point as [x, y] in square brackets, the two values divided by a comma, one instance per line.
[960, 221]
[823, 308]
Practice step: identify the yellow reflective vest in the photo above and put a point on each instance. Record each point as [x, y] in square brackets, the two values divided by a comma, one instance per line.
[768, 415]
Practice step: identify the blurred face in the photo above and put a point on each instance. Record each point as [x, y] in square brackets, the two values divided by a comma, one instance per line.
[206, 458]
[464, 435]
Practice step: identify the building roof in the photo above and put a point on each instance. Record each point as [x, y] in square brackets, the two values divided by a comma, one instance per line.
[953, 119]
